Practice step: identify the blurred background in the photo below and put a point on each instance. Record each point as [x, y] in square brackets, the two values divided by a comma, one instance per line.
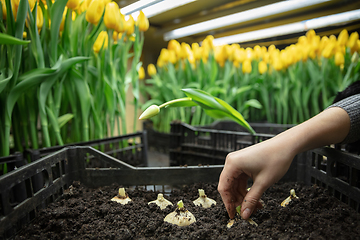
[242, 20]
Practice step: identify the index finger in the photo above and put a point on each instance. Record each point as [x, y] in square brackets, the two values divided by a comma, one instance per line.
[232, 189]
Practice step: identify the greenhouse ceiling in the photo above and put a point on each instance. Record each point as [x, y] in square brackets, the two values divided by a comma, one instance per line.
[248, 22]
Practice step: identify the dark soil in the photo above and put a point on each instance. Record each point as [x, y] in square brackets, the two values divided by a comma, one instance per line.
[90, 214]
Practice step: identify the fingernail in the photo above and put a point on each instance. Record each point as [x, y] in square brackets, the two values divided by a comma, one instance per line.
[246, 213]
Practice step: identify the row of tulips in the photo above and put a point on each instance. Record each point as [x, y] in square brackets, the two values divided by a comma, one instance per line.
[284, 86]
[66, 64]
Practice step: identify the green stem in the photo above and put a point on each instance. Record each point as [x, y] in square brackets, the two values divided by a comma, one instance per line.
[186, 99]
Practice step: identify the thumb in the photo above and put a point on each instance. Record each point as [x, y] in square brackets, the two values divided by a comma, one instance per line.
[251, 200]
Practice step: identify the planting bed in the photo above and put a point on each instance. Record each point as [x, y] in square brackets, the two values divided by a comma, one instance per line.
[86, 213]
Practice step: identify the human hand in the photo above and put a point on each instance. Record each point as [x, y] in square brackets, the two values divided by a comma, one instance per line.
[265, 163]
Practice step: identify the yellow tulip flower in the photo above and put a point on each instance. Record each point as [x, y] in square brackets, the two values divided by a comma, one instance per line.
[39, 17]
[164, 55]
[276, 62]
[130, 25]
[271, 48]
[101, 41]
[246, 67]
[73, 4]
[236, 64]
[328, 50]
[31, 4]
[310, 35]
[95, 11]
[185, 50]
[112, 16]
[352, 41]
[208, 42]
[172, 56]
[115, 36]
[84, 6]
[343, 37]
[14, 7]
[249, 53]
[339, 58]
[141, 73]
[205, 52]
[3, 5]
[160, 63]
[196, 50]
[262, 67]
[323, 43]
[175, 46]
[240, 55]
[257, 52]
[151, 69]
[143, 22]
[220, 54]
[332, 38]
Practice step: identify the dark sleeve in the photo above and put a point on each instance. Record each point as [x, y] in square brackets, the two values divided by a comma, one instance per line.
[352, 106]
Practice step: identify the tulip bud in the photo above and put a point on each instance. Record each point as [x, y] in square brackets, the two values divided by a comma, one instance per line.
[141, 73]
[172, 56]
[339, 58]
[327, 52]
[343, 37]
[95, 11]
[101, 41]
[277, 64]
[143, 22]
[175, 46]
[122, 24]
[39, 17]
[310, 34]
[246, 67]
[73, 4]
[151, 111]
[129, 26]
[112, 16]
[262, 67]
[151, 69]
[352, 41]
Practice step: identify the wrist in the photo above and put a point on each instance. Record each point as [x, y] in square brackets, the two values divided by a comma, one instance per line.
[328, 127]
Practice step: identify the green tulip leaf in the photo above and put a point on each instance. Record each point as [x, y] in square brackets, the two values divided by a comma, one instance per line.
[235, 115]
[253, 103]
[202, 98]
[7, 39]
[62, 120]
[3, 79]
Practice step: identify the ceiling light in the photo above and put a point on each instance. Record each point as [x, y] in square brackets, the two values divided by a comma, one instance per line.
[153, 8]
[240, 17]
[291, 28]
[137, 6]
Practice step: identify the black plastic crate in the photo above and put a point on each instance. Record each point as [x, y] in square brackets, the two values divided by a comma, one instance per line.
[11, 162]
[199, 145]
[321, 167]
[330, 168]
[130, 148]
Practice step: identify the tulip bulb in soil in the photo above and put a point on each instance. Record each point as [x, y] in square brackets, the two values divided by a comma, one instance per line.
[203, 200]
[180, 216]
[122, 197]
[161, 201]
[232, 221]
[288, 199]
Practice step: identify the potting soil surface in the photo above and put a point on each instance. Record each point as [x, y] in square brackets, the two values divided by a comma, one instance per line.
[86, 213]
